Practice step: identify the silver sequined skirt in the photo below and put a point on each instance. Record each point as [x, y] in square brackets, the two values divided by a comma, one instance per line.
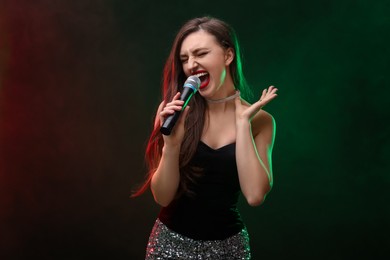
[167, 244]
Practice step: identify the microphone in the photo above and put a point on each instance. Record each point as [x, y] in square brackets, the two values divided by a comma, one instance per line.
[191, 85]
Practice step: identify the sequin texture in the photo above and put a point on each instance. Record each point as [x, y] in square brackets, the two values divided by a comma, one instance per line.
[167, 244]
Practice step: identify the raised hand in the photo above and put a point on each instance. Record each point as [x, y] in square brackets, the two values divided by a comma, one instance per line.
[247, 113]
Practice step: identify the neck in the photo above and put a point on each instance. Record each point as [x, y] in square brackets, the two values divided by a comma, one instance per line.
[225, 99]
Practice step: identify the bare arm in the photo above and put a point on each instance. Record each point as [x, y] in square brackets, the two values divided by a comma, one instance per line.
[255, 134]
[165, 180]
[254, 162]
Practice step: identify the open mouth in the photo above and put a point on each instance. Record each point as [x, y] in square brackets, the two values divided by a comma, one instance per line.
[204, 78]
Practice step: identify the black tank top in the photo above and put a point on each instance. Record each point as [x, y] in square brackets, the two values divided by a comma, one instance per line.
[211, 213]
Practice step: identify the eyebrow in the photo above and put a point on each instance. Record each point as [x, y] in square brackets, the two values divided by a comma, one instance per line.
[195, 51]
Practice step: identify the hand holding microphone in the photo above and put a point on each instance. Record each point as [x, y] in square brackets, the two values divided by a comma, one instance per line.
[190, 87]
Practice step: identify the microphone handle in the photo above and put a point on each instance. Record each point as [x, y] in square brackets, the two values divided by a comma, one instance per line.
[170, 121]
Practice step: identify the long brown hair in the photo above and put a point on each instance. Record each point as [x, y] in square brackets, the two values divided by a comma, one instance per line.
[173, 80]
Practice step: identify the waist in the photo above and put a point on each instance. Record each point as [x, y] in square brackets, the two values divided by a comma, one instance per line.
[202, 223]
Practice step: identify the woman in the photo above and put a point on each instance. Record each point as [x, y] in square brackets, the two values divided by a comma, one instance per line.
[221, 145]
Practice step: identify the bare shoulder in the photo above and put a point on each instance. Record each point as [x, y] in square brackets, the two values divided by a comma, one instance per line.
[263, 122]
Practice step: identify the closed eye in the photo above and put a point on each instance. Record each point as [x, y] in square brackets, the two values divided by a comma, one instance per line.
[202, 54]
[184, 58]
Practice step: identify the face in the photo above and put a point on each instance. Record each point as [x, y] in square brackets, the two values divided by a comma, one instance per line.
[201, 55]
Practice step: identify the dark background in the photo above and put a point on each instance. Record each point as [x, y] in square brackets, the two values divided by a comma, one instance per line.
[79, 86]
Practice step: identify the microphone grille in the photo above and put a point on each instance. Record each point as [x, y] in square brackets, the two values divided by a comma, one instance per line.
[194, 81]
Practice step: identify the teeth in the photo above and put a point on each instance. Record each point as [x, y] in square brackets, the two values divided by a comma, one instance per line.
[201, 74]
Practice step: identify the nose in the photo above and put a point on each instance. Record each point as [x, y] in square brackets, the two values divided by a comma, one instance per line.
[192, 64]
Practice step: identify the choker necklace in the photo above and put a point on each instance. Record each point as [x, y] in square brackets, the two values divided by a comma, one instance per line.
[221, 100]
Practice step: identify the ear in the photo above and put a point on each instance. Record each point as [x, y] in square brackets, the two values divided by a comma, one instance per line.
[229, 56]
